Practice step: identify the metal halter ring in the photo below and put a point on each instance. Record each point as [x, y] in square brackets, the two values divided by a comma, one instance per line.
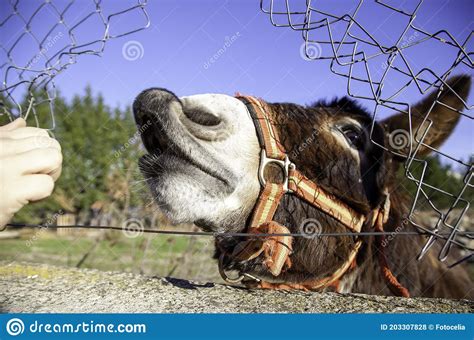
[238, 279]
[224, 275]
[284, 164]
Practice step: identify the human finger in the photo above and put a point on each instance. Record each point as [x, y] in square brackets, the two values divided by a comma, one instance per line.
[11, 147]
[44, 161]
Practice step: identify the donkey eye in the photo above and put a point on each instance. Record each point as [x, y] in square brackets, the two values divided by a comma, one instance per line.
[354, 136]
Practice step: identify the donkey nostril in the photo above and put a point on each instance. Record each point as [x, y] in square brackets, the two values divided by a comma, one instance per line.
[202, 117]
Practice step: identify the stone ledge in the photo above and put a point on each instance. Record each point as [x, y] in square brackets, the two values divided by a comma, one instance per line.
[37, 288]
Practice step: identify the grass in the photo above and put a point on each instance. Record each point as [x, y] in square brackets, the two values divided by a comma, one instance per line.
[155, 255]
[159, 255]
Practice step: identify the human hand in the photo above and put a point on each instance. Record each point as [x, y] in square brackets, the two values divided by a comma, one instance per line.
[30, 163]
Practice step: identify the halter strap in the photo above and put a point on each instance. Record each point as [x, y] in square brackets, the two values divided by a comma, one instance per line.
[294, 181]
[277, 249]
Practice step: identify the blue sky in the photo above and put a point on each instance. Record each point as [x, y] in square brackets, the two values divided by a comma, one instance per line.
[178, 52]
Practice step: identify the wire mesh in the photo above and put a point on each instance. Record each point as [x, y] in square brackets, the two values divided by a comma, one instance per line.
[381, 67]
[41, 40]
[352, 49]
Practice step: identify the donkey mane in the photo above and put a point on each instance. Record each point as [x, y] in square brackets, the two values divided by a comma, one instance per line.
[342, 105]
[427, 277]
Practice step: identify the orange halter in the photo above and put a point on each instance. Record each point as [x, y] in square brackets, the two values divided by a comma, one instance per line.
[277, 248]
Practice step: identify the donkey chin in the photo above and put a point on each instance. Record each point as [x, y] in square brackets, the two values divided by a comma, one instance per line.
[202, 166]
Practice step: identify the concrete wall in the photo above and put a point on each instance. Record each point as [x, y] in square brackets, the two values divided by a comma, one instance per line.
[39, 288]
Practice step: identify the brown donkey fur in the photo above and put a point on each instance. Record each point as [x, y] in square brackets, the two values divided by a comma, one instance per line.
[361, 186]
[359, 177]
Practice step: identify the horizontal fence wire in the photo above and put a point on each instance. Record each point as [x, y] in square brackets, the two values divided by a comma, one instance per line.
[342, 38]
[141, 230]
[238, 234]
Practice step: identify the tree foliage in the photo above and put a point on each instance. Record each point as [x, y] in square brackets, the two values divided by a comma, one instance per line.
[100, 151]
[441, 183]
[101, 146]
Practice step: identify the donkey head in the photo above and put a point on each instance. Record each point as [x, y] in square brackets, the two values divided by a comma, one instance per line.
[203, 158]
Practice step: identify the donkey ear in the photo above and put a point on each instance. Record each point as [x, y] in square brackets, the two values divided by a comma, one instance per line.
[443, 113]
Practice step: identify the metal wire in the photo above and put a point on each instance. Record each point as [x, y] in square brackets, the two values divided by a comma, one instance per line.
[209, 233]
[57, 42]
[141, 229]
[369, 62]
[351, 50]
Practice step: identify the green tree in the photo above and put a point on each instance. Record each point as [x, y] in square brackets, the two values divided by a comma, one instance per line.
[440, 175]
[99, 148]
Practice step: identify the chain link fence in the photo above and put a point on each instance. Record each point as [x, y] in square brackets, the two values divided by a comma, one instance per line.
[382, 69]
[41, 40]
